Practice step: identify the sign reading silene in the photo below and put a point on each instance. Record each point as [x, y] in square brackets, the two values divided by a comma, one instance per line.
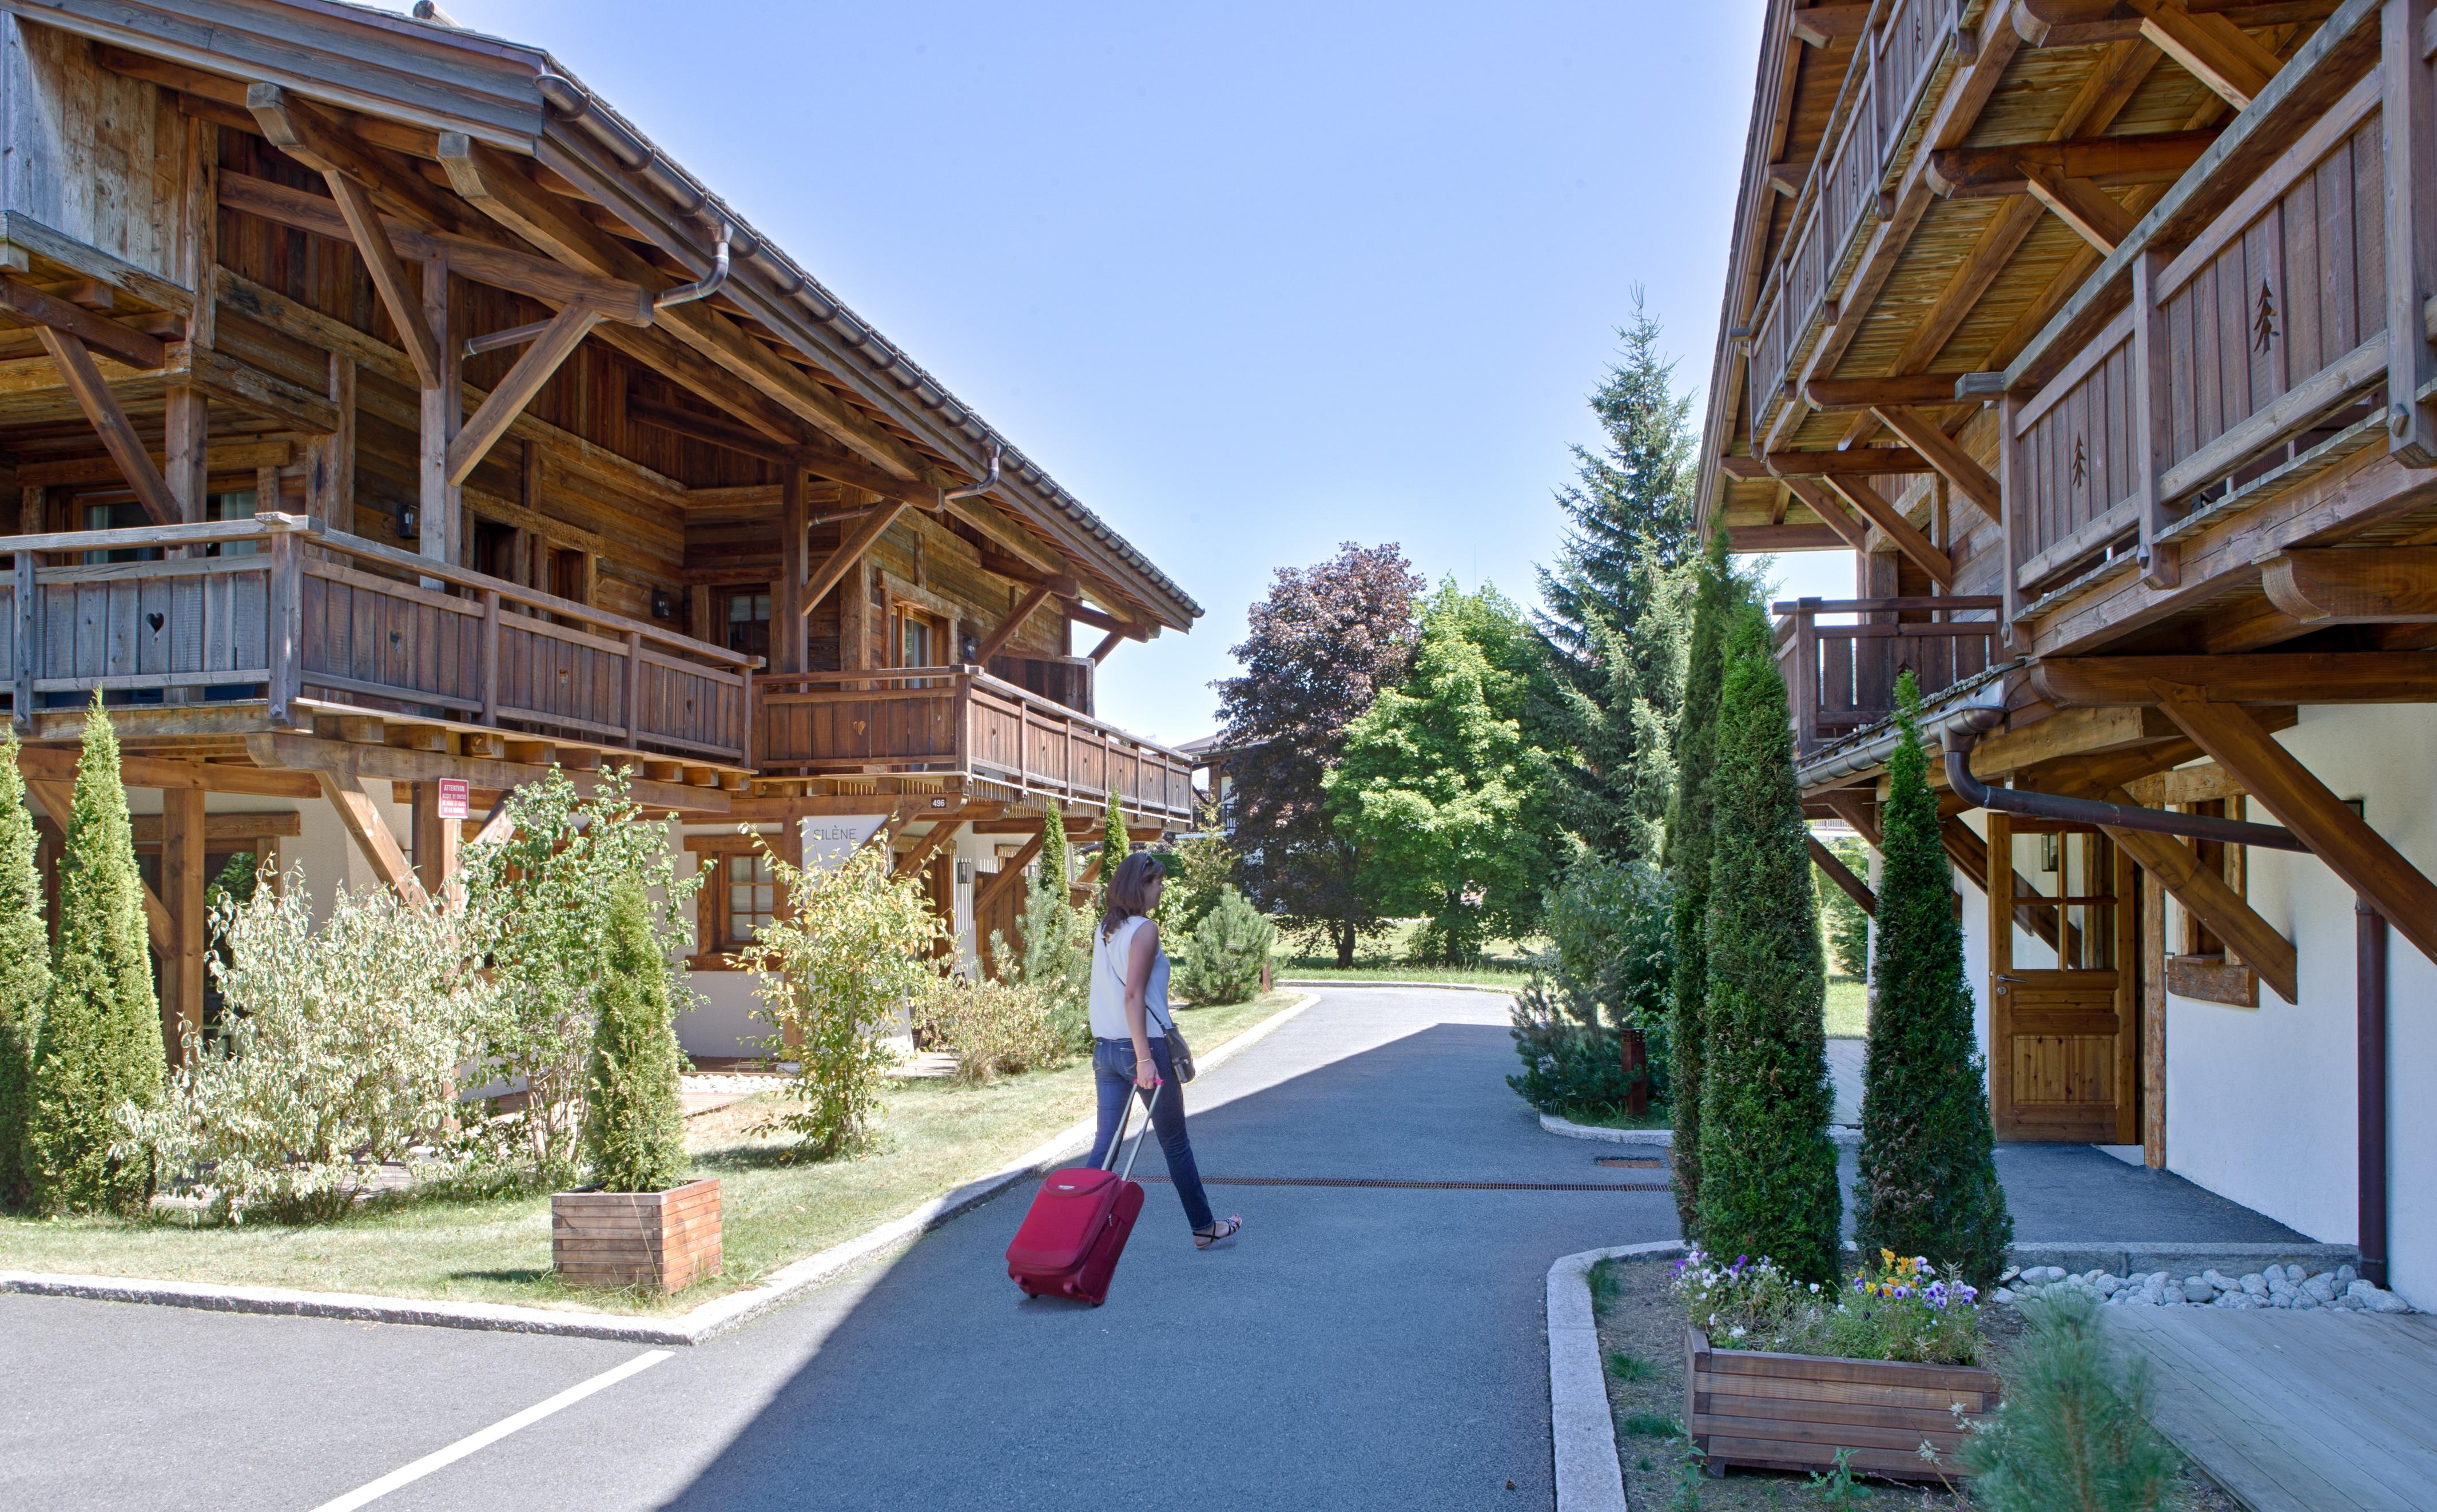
[830, 839]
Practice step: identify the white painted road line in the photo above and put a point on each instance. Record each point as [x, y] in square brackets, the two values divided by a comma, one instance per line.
[408, 1474]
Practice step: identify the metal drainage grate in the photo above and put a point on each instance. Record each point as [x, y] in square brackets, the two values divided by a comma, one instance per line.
[1631, 1161]
[1429, 1186]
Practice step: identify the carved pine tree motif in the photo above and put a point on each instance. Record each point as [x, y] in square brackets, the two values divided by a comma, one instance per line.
[2263, 323]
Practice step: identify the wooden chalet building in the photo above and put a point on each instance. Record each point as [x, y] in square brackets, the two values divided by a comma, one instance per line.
[2101, 330]
[386, 413]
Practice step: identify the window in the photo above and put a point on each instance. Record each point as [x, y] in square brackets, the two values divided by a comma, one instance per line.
[752, 898]
[234, 506]
[746, 616]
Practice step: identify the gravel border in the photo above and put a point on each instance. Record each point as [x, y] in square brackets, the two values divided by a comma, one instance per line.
[711, 1319]
[1581, 1431]
[1842, 1133]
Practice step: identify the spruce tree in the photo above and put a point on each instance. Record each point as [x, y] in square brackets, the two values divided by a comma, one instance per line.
[1928, 1179]
[25, 976]
[1057, 860]
[1114, 845]
[1768, 1176]
[100, 1045]
[634, 1128]
[1716, 594]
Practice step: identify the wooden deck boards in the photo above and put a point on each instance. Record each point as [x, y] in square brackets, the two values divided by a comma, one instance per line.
[2297, 1411]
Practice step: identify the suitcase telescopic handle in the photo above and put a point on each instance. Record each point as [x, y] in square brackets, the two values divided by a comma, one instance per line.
[1125, 1112]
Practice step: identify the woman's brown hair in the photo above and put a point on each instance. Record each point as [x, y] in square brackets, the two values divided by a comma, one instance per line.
[1130, 891]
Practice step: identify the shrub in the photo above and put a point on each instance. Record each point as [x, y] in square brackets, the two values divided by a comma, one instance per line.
[993, 1028]
[634, 1128]
[24, 975]
[1928, 1175]
[1768, 1171]
[538, 911]
[1848, 927]
[1716, 592]
[1056, 961]
[101, 1043]
[1221, 960]
[1199, 869]
[338, 1050]
[1607, 969]
[2072, 1433]
[834, 974]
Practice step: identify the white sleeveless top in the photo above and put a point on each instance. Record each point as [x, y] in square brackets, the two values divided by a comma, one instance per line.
[1109, 954]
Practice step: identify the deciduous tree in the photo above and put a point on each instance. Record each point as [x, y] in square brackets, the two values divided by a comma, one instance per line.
[1318, 648]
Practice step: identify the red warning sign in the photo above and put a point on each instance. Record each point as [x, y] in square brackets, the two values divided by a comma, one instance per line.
[454, 792]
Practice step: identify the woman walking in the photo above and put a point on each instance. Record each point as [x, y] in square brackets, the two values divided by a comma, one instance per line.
[1130, 1023]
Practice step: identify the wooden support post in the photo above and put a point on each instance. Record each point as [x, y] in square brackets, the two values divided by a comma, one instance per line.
[101, 408]
[436, 841]
[186, 423]
[2410, 114]
[851, 550]
[789, 644]
[1108, 643]
[1839, 873]
[943, 830]
[2153, 1021]
[182, 885]
[361, 813]
[2010, 465]
[2290, 791]
[437, 496]
[330, 479]
[28, 648]
[1005, 630]
[2152, 426]
[2203, 894]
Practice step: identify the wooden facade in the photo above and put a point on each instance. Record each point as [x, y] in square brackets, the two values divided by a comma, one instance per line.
[2100, 329]
[378, 406]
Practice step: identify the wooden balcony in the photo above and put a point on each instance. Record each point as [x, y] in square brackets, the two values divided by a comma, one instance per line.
[1842, 678]
[277, 610]
[961, 721]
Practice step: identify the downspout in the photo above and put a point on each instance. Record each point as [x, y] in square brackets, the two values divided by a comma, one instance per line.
[2107, 816]
[700, 287]
[2369, 990]
[990, 480]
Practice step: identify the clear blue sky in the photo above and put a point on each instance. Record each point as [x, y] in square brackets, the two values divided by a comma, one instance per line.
[1250, 279]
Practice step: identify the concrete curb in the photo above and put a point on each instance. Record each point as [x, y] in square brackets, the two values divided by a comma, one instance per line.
[713, 1318]
[1581, 1431]
[1442, 987]
[1842, 1133]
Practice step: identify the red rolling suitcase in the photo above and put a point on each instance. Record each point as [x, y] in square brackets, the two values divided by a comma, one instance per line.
[1069, 1241]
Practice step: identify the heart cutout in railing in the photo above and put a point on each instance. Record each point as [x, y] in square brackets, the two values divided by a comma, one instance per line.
[858, 726]
[156, 620]
[395, 636]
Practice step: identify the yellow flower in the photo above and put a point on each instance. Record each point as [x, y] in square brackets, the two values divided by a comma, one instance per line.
[1886, 1256]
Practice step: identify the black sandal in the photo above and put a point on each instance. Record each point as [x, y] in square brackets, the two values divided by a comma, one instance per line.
[1225, 1228]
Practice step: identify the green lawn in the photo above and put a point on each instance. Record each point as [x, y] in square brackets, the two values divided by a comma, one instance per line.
[1849, 1014]
[937, 1137]
[1303, 970]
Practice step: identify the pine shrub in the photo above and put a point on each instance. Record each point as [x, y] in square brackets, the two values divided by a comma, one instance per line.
[25, 976]
[1689, 833]
[100, 1049]
[1221, 960]
[1928, 1180]
[1768, 1178]
[2073, 1434]
[634, 1128]
[1607, 969]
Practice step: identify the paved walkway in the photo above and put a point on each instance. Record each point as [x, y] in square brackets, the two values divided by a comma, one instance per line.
[1362, 1346]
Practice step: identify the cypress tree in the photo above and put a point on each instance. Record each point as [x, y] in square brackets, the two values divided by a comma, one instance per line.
[1114, 841]
[100, 1046]
[1057, 862]
[1928, 1179]
[24, 975]
[1768, 1178]
[1715, 594]
[634, 1130]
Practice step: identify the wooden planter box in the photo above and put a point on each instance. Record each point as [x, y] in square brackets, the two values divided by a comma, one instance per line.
[1795, 1412]
[667, 1240]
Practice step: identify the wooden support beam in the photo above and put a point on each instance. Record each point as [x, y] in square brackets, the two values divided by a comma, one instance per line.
[1969, 854]
[223, 829]
[1784, 537]
[2082, 205]
[557, 343]
[1869, 461]
[1891, 522]
[943, 829]
[361, 813]
[1929, 441]
[184, 874]
[851, 550]
[1005, 630]
[397, 293]
[2212, 48]
[1823, 24]
[1108, 643]
[2268, 677]
[1829, 509]
[2279, 783]
[2372, 585]
[110, 422]
[2206, 895]
[438, 500]
[2147, 157]
[1083, 614]
[436, 841]
[115, 339]
[1864, 394]
[791, 645]
[1008, 874]
[1839, 873]
[2068, 732]
[1005, 564]
[391, 763]
[1855, 808]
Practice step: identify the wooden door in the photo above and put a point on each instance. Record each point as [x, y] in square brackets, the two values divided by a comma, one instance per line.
[2063, 1026]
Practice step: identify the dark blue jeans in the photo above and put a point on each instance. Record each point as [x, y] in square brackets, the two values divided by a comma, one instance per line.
[1113, 1071]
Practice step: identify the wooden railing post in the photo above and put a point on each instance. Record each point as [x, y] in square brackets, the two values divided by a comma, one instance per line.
[490, 656]
[285, 635]
[744, 752]
[2152, 437]
[634, 689]
[2009, 516]
[2410, 110]
[29, 642]
[1806, 675]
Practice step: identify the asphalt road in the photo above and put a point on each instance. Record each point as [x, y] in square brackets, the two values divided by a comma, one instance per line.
[1359, 1346]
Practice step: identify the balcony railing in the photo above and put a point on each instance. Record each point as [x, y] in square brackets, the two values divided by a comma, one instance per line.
[275, 608]
[1842, 678]
[961, 720]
